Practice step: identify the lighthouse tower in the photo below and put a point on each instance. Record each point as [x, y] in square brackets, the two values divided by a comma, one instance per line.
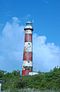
[27, 55]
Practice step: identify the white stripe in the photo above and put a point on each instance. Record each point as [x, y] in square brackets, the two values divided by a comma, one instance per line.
[27, 63]
[28, 46]
[28, 32]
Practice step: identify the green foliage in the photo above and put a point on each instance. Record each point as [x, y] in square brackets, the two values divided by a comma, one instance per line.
[49, 80]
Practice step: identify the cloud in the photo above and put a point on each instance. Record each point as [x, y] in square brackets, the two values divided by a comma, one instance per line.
[11, 45]
[45, 55]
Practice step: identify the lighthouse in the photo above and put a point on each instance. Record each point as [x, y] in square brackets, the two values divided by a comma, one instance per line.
[27, 66]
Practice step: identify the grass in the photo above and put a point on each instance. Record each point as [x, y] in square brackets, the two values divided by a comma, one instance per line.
[29, 90]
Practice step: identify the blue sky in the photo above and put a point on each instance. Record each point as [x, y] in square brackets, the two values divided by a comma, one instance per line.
[45, 15]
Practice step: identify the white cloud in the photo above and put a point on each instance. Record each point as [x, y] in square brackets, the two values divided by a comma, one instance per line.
[11, 45]
[45, 55]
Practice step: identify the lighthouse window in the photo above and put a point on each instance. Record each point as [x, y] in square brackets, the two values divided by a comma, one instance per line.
[28, 61]
[28, 43]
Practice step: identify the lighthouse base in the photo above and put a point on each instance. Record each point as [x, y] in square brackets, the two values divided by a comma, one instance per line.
[26, 71]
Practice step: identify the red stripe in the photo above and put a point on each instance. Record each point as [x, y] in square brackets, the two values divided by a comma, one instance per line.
[27, 56]
[28, 37]
[26, 72]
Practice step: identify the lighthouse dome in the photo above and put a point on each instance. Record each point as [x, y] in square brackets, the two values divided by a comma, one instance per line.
[28, 26]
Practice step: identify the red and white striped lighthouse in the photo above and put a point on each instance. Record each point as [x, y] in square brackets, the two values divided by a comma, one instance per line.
[27, 55]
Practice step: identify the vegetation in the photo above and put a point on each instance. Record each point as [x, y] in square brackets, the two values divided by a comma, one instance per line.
[42, 81]
[30, 90]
